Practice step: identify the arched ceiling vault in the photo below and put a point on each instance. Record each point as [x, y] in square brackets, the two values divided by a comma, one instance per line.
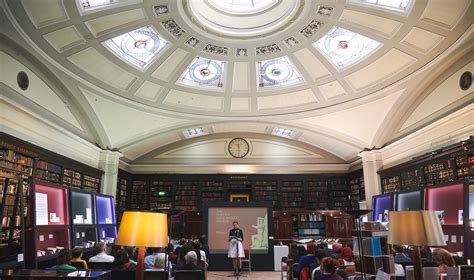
[342, 75]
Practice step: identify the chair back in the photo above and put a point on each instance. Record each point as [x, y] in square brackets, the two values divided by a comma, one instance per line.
[123, 275]
[100, 265]
[156, 275]
[78, 265]
[188, 275]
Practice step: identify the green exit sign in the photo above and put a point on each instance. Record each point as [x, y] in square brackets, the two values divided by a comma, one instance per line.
[161, 193]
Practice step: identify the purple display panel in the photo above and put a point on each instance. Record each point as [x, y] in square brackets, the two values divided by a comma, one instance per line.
[449, 200]
[408, 201]
[107, 232]
[105, 210]
[381, 206]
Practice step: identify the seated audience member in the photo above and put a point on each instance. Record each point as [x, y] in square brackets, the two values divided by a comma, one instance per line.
[399, 256]
[301, 252]
[191, 262]
[337, 250]
[114, 249]
[186, 248]
[122, 261]
[150, 259]
[77, 256]
[101, 255]
[346, 257]
[201, 255]
[319, 255]
[132, 254]
[328, 270]
[171, 255]
[443, 258]
[306, 261]
[62, 262]
[204, 246]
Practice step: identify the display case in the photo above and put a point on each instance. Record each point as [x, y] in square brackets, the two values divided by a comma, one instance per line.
[449, 201]
[408, 200]
[83, 219]
[381, 204]
[106, 218]
[50, 230]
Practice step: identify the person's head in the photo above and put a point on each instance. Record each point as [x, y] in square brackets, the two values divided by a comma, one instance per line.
[329, 265]
[101, 247]
[235, 224]
[397, 248]
[203, 239]
[77, 252]
[191, 257]
[346, 254]
[159, 261]
[130, 250]
[310, 248]
[337, 247]
[442, 256]
[301, 251]
[121, 257]
[64, 257]
[114, 249]
[186, 248]
[320, 254]
[196, 245]
[156, 250]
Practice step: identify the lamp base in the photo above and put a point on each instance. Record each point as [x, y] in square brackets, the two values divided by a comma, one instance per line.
[417, 263]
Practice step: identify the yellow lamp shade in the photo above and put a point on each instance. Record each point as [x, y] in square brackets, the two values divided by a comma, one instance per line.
[143, 229]
[416, 228]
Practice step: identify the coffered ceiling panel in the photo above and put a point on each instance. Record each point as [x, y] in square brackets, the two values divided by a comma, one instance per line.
[103, 25]
[149, 91]
[380, 25]
[171, 65]
[303, 97]
[421, 40]
[65, 38]
[194, 101]
[46, 12]
[96, 64]
[332, 90]
[311, 64]
[445, 13]
[241, 77]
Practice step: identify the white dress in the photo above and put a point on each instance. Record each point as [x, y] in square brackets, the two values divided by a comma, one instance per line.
[236, 250]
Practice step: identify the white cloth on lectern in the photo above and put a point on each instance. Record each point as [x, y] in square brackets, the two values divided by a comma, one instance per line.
[236, 250]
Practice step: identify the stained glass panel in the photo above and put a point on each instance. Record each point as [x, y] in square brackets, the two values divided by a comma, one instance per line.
[277, 72]
[204, 72]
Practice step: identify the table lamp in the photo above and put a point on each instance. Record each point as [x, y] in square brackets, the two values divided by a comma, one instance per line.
[415, 228]
[143, 229]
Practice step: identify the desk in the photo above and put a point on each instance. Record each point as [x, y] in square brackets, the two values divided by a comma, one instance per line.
[278, 253]
[40, 274]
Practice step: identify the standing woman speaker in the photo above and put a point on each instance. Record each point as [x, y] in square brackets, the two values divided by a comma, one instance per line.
[236, 250]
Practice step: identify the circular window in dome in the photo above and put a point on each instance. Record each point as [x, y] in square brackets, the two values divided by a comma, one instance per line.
[203, 71]
[242, 6]
[277, 72]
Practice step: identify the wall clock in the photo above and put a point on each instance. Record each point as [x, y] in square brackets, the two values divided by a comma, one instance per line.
[238, 147]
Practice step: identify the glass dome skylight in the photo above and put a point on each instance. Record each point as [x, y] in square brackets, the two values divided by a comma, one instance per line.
[344, 47]
[204, 72]
[138, 47]
[399, 5]
[242, 6]
[277, 72]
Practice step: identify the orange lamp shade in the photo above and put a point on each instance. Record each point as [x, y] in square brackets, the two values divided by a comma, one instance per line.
[143, 229]
[416, 228]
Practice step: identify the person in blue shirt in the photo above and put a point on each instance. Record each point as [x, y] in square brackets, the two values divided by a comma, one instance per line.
[306, 261]
[399, 256]
[150, 259]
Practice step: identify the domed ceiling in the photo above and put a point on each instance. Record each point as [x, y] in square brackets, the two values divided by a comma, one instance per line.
[283, 68]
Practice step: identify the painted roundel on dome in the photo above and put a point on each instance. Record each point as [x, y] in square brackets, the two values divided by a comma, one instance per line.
[204, 71]
[279, 71]
[138, 47]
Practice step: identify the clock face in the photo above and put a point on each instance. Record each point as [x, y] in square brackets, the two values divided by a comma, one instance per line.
[238, 147]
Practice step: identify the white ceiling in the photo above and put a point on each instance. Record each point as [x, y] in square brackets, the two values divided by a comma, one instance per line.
[338, 112]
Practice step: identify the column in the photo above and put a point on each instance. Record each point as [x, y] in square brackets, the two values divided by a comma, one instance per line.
[109, 163]
[371, 163]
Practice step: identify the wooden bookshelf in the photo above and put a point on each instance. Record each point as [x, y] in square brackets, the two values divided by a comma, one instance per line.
[266, 191]
[212, 190]
[161, 195]
[186, 196]
[292, 195]
[139, 196]
[317, 194]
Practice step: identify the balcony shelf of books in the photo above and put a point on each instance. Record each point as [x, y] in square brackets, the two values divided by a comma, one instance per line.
[309, 225]
[186, 196]
[50, 230]
[139, 195]
[292, 195]
[121, 197]
[317, 194]
[212, 190]
[266, 191]
[161, 194]
[106, 218]
[83, 220]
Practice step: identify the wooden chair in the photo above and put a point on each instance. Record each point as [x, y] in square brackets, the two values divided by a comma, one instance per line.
[78, 265]
[188, 275]
[123, 275]
[100, 265]
[156, 275]
[246, 262]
